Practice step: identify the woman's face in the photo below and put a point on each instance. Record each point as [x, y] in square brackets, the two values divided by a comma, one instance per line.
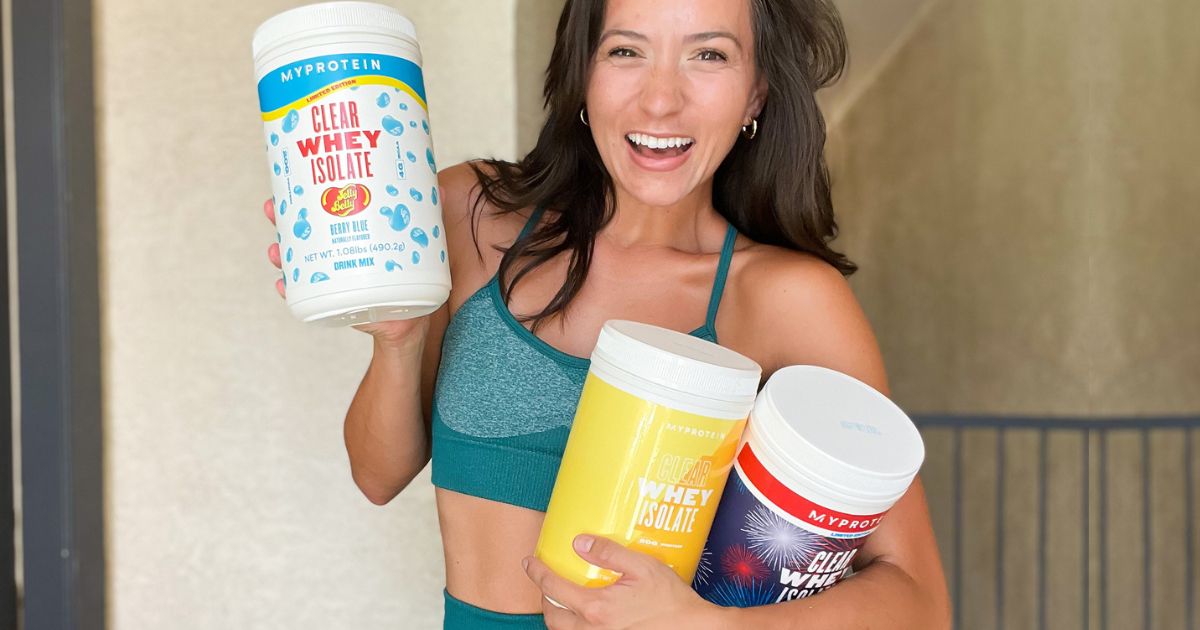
[672, 83]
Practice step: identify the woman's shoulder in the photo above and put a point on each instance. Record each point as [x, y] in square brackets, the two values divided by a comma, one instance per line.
[769, 273]
[463, 200]
[474, 226]
[796, 308]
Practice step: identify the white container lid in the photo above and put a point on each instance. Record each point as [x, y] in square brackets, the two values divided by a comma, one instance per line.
[677, 362]
[366, 16]
[823, 426]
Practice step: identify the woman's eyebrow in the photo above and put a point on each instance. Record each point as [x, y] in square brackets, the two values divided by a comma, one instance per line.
[690, 39]
[707, 35]
[630, 34]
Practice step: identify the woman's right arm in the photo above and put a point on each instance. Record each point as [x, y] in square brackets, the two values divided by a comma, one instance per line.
[387, 427]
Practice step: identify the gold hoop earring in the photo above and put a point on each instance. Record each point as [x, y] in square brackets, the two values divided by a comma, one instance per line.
[583, 117]
[753, 131]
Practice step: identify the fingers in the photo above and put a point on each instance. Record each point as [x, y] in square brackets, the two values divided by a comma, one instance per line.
[560, 618]
[556, 587]
[273, 250]
[269, 210]
[608, 554]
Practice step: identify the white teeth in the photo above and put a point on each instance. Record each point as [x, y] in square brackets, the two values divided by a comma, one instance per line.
[658, 143]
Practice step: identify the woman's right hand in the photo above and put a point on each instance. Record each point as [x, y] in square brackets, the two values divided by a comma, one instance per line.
[402, 334]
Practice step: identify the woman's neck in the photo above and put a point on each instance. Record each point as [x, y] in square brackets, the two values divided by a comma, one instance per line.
[692, 224]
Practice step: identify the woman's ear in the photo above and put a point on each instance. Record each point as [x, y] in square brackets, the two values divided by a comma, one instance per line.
[758, 99]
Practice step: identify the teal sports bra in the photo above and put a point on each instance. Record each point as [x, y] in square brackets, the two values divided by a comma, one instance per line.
[505, 399]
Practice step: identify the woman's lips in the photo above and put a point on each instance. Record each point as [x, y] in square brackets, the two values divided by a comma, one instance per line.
[659, 160]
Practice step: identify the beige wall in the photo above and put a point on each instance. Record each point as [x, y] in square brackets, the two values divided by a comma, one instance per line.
[958, 179]
[536, 23]
[229, 499]
[1015, 186]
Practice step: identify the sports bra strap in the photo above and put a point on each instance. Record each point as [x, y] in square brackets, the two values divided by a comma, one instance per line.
[531, 223]
[714, 302]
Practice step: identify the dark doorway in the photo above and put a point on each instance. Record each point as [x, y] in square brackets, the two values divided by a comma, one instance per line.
[58, 332]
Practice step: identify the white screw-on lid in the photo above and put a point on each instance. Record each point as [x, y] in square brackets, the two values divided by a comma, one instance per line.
[678, 362]
[331, 15]
[811, 424]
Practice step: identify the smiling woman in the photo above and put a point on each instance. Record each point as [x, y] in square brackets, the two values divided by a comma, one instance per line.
[679, 181]
[752, 65]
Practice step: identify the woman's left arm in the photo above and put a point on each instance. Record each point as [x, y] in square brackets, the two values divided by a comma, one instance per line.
[807, 315]
[899, 581]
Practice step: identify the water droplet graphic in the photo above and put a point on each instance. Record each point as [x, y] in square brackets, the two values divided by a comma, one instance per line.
[285, 280]
[299, 190]
[425, 126]
[384, 100]
[415, 194]
[355, 88]
[437, 231]
[296, 274]
[282, 208]
[397, 218]
[291, 121]
[443, 255]
[411, 157]
[419, 237]
[412, 123]
[318, 277]
[302, 229]
[403, 106]
[392, 126]
[392, 190]
[433, 195]
[277, 169]
[274, 139]
[289, 255]
[392, 265]
[429, 157]
[416, 258]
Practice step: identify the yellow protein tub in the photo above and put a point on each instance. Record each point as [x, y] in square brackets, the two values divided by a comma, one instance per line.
[650, 449]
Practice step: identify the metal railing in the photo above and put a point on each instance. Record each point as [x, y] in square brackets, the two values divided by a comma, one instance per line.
[1095, 505]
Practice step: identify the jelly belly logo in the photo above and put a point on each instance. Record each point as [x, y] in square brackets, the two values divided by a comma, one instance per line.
[346, 201]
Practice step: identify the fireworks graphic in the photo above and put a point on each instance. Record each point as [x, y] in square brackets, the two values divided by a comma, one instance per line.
[742, 595]
[778, 542]
[742, 566]
[704, 570]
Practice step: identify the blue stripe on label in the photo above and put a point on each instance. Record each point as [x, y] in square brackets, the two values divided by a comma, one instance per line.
[287, 84]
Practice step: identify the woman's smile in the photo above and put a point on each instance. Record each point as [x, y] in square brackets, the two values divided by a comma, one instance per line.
[659, 152]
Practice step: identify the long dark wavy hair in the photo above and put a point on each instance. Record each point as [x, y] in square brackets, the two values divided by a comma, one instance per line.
[774, 189]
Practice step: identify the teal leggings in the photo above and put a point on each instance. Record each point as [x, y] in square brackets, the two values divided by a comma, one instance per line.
[462, 616]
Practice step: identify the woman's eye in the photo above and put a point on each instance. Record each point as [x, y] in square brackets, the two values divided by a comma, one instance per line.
[711, 55]
[622, 52]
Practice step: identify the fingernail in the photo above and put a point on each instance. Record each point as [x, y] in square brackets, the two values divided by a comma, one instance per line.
[583, 543]
[525, 564]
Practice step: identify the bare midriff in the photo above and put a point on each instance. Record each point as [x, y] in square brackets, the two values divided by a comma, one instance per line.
[484, 543]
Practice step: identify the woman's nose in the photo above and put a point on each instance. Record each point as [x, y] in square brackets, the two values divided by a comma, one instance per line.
[663, 92]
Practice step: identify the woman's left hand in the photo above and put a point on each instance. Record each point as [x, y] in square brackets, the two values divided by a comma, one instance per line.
[648, 595]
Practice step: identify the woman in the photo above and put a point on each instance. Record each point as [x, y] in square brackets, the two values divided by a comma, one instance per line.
[678, 181]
